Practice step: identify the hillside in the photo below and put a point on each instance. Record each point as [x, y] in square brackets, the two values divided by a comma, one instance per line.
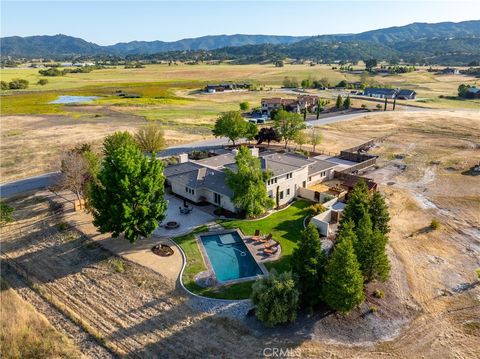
[446, 43]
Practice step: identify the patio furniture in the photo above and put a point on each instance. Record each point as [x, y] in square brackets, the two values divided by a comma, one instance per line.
[270, 251]
[186, 210]
[266, 239]
[271, 245]
[256, 236]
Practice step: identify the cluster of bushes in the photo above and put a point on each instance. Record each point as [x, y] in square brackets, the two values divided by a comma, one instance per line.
[15, 84]
[463, 90]
[343, 103]
[54, 71]
[399, 69]
[134, 66]
[336, 279]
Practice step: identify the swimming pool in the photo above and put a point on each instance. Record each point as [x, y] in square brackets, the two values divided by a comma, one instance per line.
[73, 99]
[229, 257]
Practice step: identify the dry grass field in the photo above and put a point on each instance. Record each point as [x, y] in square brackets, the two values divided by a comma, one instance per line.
[432, 300]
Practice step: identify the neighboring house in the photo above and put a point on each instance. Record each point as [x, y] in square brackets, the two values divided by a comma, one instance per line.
[212, 88]
[473, 92]
[380, 92]
[297, 105]
[450, 71]
[406, 95]
[205, 180]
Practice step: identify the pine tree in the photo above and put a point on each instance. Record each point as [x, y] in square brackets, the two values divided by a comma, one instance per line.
[308, 263]
[347, 103]
[364, 234]
[357, 203]
[379, 213]
[376, 264]
[339, 102]
[128, 194]
[343, 288]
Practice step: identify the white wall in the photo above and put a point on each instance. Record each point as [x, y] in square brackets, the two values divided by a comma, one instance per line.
[321, 221]
[284, 184]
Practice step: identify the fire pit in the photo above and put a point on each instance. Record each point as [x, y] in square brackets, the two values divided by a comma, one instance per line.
[172, 225]
[162, 250]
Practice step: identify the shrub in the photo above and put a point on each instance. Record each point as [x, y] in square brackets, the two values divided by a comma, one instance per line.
[42, 82]
[373, 309]
[363, 105]
[18, 84]
[317, 208]
[63, 226]
[276, 298]
[4, 85]
[378, 105]
[244, 106]
[5, 213]
[378, 293]
[118, 265]
[435, 224]
[478, 273]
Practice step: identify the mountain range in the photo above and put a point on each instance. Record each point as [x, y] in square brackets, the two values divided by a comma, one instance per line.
[447, 42]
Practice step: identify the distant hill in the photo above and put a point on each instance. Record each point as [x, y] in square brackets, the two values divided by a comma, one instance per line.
[446, 42]
[63, 45]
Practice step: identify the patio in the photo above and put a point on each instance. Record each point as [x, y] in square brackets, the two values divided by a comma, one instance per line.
[196, 217]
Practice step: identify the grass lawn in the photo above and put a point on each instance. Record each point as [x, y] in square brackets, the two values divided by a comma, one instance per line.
[195, 265]
[285, 226]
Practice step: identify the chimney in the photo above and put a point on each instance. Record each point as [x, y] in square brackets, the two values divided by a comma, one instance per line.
[254, 151]
[182, 157]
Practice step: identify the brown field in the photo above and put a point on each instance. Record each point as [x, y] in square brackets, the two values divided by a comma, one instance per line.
[432, 299]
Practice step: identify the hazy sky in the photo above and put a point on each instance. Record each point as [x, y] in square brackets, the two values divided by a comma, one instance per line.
[108, 22]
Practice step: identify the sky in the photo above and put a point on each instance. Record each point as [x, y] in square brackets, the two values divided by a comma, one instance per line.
[109, 22]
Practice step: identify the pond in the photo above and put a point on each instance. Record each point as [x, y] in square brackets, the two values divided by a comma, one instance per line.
[61, 100]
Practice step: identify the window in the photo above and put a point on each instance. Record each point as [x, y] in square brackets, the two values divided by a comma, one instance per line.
[323, 174]
[186, 189]
[304, 184]
[310, 179]
[189, 190]
[288, 191]
[289, 175]
[217, 199]
[281, 195]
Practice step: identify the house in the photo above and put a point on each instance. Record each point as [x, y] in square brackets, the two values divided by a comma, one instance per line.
[473, 93]
[212, 88]
[297, 105]
[450, 71]
[406, 95]
[205, 180]
[380, 92]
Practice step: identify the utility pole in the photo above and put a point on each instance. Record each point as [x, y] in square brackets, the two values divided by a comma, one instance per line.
[385, 106]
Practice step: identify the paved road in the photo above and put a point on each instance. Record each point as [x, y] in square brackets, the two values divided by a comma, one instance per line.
[48, 179]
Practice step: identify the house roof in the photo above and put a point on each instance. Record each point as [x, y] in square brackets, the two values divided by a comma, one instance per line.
[204, 177]
[217, 161]
[406, 93]
[473, 90]
[180, 168]
[319, 166]
[380, 91]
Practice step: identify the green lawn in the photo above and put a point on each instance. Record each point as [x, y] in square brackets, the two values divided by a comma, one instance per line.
[195, 265]
[285, 226]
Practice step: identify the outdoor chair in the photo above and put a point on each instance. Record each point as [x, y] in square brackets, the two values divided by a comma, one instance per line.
[256, 236]
[270, 251]
[266, 239]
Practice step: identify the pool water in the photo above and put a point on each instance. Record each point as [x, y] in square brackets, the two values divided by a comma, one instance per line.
[229, 256]
[73, 99]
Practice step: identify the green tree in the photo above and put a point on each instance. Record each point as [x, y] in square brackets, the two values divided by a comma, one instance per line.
[276, 298]
[244, 106]
[347, 103]
[463, 90]
[306, 83]
[357, 204]
[287, 125]
[290, 82]
[248, 184]
[314, 137]
[150, 138]
[308, 263]
[376, 265]
[379, 213]
[339, 102]
[42, 82]
[230, 124]
[4, 85]
[128, 195]
[343, 287]
[301, 138]
[342, 83]
[251, 132]
[370, 64]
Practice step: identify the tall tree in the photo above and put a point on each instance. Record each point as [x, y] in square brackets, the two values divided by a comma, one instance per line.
[308, 262]
[315, 137]
[248, 184]
[276, 298]
[301, 138]
[347, 103]
[150, 138]
[376, 264]
[357, 203]
[128, 195]
[379, 213]
[343, 288]
[267, 134]
[251, 132]
[287, 125]
[339, 102]
[231, 125]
